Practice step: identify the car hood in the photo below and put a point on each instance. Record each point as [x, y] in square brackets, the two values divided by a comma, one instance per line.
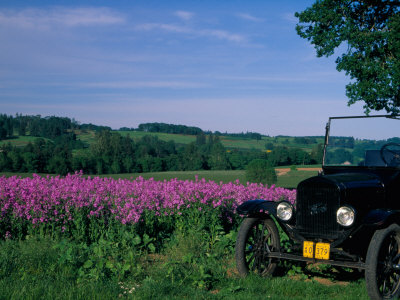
[362, 190]
[355, 180]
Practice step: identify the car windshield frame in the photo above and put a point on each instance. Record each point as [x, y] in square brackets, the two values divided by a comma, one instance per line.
[328, 138]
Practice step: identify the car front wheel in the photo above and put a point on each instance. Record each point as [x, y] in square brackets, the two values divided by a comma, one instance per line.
[382, 274]
[256, 238]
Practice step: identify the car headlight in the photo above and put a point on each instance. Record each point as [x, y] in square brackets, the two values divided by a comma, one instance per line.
[284, 211]
[345, 216]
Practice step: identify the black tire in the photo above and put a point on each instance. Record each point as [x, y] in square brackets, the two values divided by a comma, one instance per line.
[255, 239]
[382, 274]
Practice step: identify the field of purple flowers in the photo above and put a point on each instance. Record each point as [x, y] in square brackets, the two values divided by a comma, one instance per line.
[55, 203]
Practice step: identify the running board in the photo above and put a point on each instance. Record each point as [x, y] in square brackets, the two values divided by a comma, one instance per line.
[346, 264]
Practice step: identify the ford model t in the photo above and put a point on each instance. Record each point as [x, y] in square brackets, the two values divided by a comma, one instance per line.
[347, 216]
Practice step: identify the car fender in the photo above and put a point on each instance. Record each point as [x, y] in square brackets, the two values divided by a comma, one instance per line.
[381, 218]
[257, 207]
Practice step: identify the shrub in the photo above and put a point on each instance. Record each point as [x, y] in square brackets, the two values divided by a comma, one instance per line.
[260, 170]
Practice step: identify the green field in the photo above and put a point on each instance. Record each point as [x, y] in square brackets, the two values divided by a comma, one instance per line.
[177, 138]
[20, 141]
[288, 180]
[230, 142]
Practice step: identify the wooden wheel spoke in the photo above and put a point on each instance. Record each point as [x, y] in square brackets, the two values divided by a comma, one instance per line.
[396, 259]
[392, 247]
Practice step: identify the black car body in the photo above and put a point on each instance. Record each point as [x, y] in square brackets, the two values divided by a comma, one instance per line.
[347, 216]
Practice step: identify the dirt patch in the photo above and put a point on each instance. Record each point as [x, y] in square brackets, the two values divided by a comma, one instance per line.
[280, 172]
[232, 273]
[328, 282]
[309, 169]
[284, 171]
[320, 280]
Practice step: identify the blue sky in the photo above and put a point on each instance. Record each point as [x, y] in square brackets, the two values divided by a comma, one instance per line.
[220, 65]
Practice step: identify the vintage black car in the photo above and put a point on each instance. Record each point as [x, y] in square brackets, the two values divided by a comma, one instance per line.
[347, 216]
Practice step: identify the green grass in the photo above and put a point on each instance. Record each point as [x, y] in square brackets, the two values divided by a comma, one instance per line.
[177, 138]
[288, 180]
[293, 178]
[231, 142]
[34, 269]
[20, 141]
[87, 136]
[217, 176]
[30, 269]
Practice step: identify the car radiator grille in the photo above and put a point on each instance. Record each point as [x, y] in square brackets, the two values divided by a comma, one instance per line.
[317, 204]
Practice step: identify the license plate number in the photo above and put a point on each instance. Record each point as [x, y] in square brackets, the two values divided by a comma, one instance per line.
[320, 251]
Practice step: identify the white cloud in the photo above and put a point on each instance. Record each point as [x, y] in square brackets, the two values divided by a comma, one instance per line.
[184, 15]
[290, 18]
[215, 33]
[309, 77]
[223, 35]
[144, 84]
[69, 17]
[249, 17]
[166, 27]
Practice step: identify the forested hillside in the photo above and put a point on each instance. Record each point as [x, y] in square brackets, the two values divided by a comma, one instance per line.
[61, 145]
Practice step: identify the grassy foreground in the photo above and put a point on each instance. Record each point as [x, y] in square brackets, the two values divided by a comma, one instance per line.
[36, 269]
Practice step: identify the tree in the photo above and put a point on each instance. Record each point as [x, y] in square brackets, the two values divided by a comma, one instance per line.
[317, 153]
[192, 158]
[218, 159]
[370, 31]
[260, 170]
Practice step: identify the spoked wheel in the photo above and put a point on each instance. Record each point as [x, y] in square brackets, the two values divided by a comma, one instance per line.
[382, 274]
[256, 238]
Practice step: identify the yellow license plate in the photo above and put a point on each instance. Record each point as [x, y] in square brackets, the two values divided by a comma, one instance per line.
[308, 249]
[321, 250]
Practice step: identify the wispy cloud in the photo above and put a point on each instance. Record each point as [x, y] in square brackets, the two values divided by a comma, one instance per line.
[224, 35]
[143, 84]
[309, 77]
[249, 17]
[184, 15]
[290, 17]
[70, 17]
[165, 27]
[215, 33]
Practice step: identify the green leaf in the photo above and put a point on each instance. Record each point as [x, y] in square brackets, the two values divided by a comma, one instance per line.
[152, 248]
[136, 240]
[88, 264]
[109, 265]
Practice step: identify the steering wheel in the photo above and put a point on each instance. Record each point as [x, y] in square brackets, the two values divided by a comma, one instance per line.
[390, 156]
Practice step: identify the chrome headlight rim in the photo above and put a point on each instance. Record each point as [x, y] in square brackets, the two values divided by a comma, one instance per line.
[345, 215]
[284, 211]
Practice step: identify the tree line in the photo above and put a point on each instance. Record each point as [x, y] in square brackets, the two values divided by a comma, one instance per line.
[110, 152]
[190, 130]
[47, 127]
[59, 151]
